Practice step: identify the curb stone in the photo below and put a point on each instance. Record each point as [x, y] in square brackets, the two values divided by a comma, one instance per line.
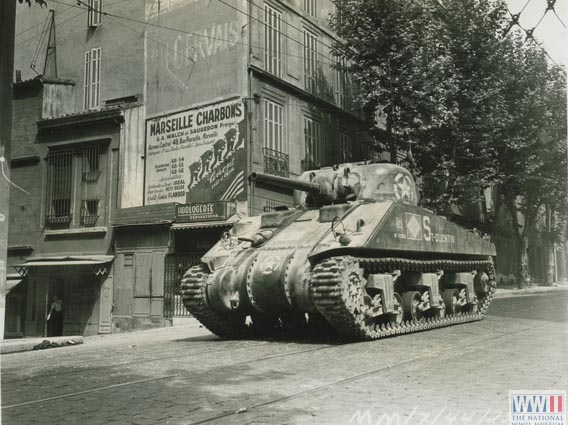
[8, 346]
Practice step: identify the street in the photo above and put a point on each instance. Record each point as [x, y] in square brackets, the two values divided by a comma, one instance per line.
[185, 375]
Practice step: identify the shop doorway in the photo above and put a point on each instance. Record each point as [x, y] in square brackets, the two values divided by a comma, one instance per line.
[55, 305]
[176, 266]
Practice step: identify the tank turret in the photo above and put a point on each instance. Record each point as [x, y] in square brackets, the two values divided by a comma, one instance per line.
[357, 252]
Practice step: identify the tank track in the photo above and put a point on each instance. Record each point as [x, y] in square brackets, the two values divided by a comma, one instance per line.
[194, 296]
[333, 295]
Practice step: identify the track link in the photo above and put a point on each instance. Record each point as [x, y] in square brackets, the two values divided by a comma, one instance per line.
[340, 301]
[194, 296]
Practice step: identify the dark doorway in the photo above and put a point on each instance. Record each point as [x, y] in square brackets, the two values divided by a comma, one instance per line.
[55, 307]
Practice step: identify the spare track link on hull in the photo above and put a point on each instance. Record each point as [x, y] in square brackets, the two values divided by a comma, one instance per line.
[194, 296]
[337, 299]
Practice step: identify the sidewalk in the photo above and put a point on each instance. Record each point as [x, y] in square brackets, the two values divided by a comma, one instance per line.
[186, 328]
[508, 291]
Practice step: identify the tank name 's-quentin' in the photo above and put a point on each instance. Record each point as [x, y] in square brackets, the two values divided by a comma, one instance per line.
[442, 238]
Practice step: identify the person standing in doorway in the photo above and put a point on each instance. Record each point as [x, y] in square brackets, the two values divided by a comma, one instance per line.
[55, 317]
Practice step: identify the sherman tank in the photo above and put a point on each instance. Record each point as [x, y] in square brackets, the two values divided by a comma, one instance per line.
[357, 252]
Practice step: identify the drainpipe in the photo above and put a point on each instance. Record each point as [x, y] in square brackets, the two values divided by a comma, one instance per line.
[251, 104]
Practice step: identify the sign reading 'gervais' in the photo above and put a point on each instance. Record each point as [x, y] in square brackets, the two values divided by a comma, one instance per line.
[197, 155]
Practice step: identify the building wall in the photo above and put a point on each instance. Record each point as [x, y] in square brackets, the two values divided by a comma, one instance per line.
[131, 162]
[202, 61]
[26, 154]
[121, 43]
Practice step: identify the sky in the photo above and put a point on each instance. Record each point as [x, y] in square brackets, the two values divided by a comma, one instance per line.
[550, 31]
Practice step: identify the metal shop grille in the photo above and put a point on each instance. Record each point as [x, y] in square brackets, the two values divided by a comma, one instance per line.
[176, 266]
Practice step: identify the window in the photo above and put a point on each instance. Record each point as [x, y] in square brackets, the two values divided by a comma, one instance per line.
[311, 7]
[342, 85]
[89, 178]
[94, 14]
[59, 186]
[74, 186]
[276, 159]
[273, 40]
[344, 153]
[312, 138]
[273, 124]
[92, 80]
[310, 61]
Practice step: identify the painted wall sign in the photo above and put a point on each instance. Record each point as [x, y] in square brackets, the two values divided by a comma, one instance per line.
[197, 155]
[208, 211]
[199, 61]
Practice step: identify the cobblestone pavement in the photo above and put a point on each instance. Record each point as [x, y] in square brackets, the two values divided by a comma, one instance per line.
[184, 375]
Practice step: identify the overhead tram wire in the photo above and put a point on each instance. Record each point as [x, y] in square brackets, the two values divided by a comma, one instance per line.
[37, 35]
[38, 24]
[529, 33]
[180, 30]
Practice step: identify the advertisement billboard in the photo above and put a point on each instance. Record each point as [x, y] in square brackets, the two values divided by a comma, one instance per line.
[197, 155]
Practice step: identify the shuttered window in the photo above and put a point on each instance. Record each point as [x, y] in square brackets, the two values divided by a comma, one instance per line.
[273, 40]
[94, 13]
[273, 125]
[310, 61]
[311, 7]
[92, 79]
[312, 138]
[344, 151]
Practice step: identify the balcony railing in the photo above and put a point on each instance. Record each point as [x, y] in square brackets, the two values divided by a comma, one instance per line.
[276, 163]
[53, 220]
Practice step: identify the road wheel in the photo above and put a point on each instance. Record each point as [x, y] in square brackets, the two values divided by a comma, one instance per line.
[396, 319]
[451, 299]
[411, 301]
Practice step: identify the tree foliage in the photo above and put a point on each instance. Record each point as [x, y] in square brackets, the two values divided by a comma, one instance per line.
[29, 2]
[480, 106]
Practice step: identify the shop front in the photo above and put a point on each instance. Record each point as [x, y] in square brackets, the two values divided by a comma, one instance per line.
[69, 295]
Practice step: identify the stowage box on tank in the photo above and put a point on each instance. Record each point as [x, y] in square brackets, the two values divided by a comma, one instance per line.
[357, 251]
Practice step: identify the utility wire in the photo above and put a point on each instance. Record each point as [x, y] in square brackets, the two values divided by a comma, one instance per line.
[38, 24]
[529, 33]
[180, 30]
[37, 35]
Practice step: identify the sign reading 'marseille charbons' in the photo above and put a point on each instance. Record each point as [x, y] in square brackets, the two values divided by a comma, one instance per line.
[197, 155]
[207, 211]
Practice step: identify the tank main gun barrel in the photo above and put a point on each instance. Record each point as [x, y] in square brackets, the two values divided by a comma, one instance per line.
[286, 182]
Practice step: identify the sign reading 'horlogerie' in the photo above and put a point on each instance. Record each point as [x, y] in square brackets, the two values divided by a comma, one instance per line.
[197, 155]
[190, 213]
[537, 407]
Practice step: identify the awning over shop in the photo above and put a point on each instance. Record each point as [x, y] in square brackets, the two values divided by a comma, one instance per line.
[206, 224]
[96, 262]
[12, 280]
